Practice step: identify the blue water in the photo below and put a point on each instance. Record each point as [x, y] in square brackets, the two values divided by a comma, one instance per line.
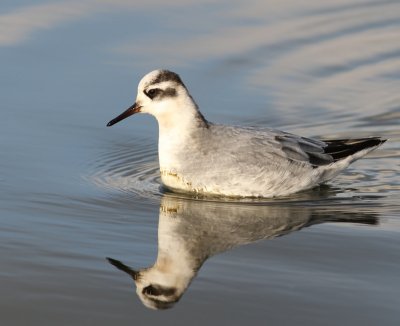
[73, 192]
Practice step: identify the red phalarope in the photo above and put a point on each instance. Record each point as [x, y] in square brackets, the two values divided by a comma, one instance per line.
[206, 158]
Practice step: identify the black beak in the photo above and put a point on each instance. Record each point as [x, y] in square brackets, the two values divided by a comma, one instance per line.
[122, 267]
[135, 108]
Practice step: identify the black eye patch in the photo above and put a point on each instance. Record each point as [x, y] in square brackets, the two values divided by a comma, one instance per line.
[152, 93]
[157, 290]
[171, 92]
[160, 93]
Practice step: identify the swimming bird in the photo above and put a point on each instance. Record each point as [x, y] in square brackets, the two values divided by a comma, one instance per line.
[202, 157]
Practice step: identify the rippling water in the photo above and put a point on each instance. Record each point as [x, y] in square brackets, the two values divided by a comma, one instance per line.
[73, 192]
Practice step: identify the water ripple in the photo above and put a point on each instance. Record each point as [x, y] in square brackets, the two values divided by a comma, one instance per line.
[129, 167]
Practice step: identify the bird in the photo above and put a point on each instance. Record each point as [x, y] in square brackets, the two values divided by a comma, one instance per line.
[204, 158]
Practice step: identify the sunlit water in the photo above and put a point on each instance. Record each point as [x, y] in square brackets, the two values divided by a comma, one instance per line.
[73, 192]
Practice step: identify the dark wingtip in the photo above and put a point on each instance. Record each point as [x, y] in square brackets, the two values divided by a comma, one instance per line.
[378, 140]
[341, 148]
[374, 141]
[109, 125]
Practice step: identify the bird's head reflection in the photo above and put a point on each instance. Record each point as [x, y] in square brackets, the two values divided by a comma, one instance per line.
[150, 285]
[190, 231]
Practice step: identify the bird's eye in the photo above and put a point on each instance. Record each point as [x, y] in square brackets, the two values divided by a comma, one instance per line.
[152, 92]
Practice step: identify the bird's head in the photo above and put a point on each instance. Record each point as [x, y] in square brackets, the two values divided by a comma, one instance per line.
[162, 94]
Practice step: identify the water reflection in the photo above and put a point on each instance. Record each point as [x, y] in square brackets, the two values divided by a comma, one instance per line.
[190, 231]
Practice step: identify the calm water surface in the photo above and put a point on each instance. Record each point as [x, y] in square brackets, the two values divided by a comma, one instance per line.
[73, 192]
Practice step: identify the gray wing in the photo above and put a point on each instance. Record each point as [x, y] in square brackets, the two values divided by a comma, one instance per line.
[317, 152]
[303, 149]
[268, 144]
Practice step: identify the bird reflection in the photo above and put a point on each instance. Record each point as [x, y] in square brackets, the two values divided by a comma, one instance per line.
[190, 231]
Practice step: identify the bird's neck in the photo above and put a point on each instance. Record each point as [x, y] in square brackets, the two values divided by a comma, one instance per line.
[176, 129]
[181, 116]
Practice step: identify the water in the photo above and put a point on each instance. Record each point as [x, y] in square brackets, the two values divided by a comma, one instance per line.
[73, 192]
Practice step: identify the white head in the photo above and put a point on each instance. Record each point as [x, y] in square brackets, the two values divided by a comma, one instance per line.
[162, 94]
